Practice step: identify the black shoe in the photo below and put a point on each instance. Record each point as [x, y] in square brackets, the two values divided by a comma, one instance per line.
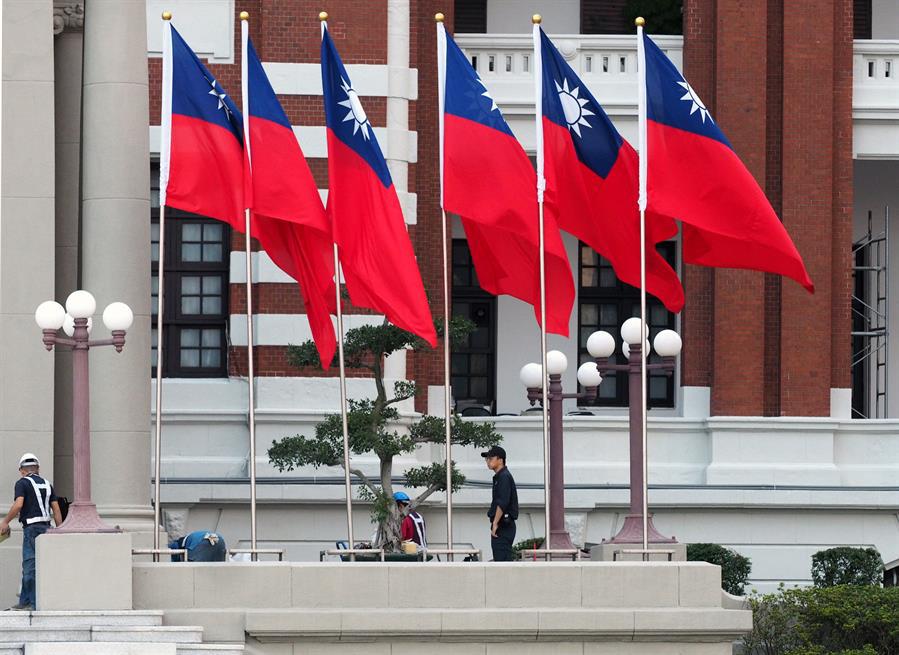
[21, 607]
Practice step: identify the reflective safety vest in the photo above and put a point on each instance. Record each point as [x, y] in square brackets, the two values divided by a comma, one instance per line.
[42, 503]
[419, 523]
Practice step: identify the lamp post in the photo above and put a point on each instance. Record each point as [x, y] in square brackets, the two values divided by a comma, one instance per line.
[601, 346]
[532, 377]
[75, 320]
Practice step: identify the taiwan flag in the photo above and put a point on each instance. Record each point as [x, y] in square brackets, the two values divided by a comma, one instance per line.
[201, 151]
[288, 216]
[490, 183]
[694, 175]
[592, 179]
[375, 251]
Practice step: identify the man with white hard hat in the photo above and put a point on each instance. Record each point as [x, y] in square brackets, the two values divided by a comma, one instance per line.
[34, 503]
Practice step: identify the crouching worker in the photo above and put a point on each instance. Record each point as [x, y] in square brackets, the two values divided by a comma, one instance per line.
[34, 504]
[201, 546]
[413, 526]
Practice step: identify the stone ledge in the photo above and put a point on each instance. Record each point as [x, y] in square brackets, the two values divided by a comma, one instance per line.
[480, 625]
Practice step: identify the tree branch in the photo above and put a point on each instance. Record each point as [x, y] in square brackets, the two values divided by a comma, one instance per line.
[364, 478]
[424, 495]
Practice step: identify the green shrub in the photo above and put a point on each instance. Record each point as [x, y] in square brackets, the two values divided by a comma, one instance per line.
[525, 545]
[841, 620]
[735, 568]
[847, 565]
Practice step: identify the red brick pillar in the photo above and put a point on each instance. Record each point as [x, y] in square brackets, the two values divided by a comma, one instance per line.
[808, 204]
[739, 335]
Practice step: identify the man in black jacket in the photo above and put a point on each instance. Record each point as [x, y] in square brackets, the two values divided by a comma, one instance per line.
[504, 506]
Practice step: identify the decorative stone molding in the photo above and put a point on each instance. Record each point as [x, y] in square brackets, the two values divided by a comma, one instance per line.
[67, 15]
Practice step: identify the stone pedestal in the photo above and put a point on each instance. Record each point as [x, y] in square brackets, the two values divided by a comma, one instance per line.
[84, 572]
[609, 552]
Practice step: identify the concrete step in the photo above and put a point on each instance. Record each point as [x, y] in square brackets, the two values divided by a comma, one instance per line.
[44, 633]
[207, 649]
[89, 619]
[178, 634]
[78, 619]
[94, 648]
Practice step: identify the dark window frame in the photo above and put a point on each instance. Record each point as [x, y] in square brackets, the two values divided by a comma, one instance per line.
[625, 300]
[471, 293]
[174, 319]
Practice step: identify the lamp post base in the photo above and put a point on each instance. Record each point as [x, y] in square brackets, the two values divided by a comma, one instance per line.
[560, 540]
[83, 518]
[632, 532]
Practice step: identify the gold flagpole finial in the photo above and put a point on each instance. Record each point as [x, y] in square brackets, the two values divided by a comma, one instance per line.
[536, 19]
[439, 17]
[323, 16]
[640, 22]
[244, 15]
[166, 15]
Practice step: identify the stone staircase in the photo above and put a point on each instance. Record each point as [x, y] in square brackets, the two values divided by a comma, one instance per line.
[102, 633]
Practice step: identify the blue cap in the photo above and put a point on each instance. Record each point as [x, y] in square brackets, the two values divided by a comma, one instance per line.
[401, 497]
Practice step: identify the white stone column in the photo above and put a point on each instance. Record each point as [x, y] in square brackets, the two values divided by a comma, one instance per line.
[68, 28]
[115, 252]
[26, 248]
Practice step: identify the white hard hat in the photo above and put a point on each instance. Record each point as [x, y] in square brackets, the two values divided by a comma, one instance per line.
[29, 459]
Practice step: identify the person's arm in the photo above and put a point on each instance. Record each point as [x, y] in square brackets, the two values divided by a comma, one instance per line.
[11, 514]
[57, 513]
[496, 519]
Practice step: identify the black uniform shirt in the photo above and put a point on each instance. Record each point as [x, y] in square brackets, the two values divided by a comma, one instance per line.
[505, 495]
[30, 508]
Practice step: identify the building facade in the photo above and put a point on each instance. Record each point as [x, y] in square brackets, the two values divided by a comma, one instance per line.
[774, 435]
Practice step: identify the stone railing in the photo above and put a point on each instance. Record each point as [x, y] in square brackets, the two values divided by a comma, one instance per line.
[875, 73]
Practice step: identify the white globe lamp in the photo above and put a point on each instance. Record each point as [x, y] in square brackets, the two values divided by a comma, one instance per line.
[556, 362]
[588, 375]
[626, 349]
[50, 315]
[631, 329]
[531, 375]
[667, 343]
[118, 316]
[600, 344]
[81, 304]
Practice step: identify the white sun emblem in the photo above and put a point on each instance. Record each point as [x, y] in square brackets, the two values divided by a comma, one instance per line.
[489, 97]
[220, 96]
[697, 104]
[573, 106]
[356, 113]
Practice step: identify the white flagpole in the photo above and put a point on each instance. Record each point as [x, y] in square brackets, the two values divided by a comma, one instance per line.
[541, 185]
[441, 96]
[164, 155]
[244, 36]
[323, 17]
[641, 202]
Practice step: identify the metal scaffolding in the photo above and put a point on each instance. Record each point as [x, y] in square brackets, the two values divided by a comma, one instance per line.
[870, 320]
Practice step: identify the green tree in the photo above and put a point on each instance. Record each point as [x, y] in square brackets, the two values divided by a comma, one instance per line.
[735, 568]
[847, 565]
[373, 426]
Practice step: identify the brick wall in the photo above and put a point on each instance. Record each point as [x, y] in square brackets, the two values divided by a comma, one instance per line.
[762, 343]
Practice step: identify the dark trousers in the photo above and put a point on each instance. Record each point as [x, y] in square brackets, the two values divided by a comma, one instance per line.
[502, 542]
[31, 532]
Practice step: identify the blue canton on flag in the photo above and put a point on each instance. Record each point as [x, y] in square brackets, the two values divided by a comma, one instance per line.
[344, 114]
[567, 102]
[196, 93]
[670, 100]
[466, 95]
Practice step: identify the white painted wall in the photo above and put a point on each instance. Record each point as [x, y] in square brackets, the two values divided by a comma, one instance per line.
[876, 185]
[514, 16]
[884, 19]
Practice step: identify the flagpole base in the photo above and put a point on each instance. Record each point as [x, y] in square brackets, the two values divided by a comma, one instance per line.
[632, 532]
[84, 519]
